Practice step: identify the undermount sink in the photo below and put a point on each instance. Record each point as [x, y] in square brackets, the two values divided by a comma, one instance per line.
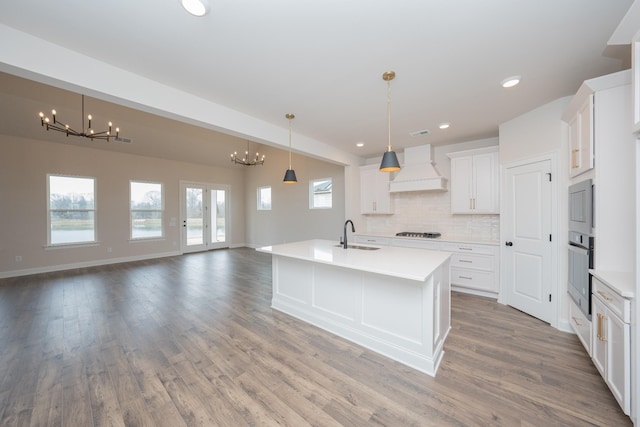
[362, 248]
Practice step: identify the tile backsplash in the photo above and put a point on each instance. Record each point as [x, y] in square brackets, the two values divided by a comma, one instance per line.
[431, 211]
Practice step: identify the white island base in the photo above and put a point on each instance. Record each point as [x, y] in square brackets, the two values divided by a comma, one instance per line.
[395, 301]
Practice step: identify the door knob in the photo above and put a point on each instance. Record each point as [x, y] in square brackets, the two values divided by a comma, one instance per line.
[509, 243]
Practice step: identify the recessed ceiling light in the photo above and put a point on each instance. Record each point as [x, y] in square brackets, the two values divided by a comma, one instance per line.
[511, 81]
[360, 144]
[444, 125]
[195, 7]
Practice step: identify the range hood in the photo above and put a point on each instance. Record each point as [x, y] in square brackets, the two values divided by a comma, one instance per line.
[418, 172]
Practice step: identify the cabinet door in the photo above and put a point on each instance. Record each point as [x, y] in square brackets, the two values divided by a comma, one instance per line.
[374, 191]
[461, 182]
[585, 114]
[618, 360]
[581, 139]
[574, 146]
[599, 345]
[485, 188]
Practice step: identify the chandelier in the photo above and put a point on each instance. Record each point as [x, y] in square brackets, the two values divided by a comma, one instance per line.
[59, 126]
[245, 161]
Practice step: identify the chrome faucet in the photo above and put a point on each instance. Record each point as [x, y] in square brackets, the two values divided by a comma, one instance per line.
[353, 230]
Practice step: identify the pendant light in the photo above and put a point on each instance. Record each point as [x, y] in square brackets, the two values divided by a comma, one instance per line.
[389, 159]
[290, 174]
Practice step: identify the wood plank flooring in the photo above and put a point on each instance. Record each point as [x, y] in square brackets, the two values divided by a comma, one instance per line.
[192, 341]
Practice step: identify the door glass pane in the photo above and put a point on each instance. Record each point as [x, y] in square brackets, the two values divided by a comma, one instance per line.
[218, 209]
[195, 235]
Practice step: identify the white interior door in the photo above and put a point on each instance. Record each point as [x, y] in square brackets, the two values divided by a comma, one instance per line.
[527, 254]
[205, 216]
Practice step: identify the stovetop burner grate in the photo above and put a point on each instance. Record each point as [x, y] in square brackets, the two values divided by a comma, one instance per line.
[418, 234]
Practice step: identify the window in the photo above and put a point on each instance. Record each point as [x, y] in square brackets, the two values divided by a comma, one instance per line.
[146, 210]
[264, 198]
[320, 193]
[72, 209]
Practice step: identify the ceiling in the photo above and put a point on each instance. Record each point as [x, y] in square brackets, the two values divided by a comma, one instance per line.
[323, 60]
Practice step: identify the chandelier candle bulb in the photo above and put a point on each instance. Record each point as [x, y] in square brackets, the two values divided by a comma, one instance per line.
[68, 130]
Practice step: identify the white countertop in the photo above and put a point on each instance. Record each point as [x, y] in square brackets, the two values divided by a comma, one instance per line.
[444, 238]
[407, 263]
[623, 283]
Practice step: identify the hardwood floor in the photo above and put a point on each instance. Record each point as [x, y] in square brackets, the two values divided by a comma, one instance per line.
[191, 340]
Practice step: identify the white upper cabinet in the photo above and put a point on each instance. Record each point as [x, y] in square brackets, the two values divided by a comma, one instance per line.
[474, 181]
[635, 58]
[374, 191]
[585, 116]
[581, 138]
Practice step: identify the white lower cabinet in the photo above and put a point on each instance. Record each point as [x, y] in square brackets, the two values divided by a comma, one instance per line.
[611, 345]
[474, 267]
[581, 325]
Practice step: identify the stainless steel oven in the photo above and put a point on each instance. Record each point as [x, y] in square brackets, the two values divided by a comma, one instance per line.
[581, 207]
[581, 245]
[581, 255]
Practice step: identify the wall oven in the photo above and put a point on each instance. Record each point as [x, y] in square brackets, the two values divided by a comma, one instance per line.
[581, 244]
[581, 207]
[581, 256]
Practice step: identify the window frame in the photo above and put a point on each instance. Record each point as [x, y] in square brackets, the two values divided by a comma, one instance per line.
[132, 210]
[260, 206]
[93, 210]
[312, 193]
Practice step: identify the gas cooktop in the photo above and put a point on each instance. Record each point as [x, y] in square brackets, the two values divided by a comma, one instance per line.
[418, 234]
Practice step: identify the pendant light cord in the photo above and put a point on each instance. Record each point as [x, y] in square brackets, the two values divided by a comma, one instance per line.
[389, 113]
[289, 142]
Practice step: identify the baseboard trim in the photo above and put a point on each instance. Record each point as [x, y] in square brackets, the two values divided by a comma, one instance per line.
[95, 263]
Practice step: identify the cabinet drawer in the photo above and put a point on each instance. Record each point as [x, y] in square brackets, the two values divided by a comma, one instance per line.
[470, 261]
[468, 248]
[385, 241]
[581, 325]
[417, 243]
[473, 279]
[614, 302]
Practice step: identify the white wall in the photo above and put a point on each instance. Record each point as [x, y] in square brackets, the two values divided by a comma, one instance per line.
[533, 134]
[430, 210]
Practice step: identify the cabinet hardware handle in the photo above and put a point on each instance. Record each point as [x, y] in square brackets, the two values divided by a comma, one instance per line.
[466, 260]
[466, 249]
[604, 296]
[465, 277]
[599, 327]
[576, 321]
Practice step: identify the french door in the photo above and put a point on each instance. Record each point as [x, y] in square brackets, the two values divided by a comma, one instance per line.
[204, 211]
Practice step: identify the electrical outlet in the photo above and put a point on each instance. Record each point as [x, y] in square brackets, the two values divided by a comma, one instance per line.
[18, 258]
[109, 250]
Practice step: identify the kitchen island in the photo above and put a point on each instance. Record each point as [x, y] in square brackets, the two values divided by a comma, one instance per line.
[395, 301]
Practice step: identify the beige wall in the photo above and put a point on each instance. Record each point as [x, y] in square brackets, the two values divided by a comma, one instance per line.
[290, 218]
[24, 165]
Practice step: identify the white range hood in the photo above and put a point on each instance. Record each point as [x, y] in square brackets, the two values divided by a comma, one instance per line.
[418, 172]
